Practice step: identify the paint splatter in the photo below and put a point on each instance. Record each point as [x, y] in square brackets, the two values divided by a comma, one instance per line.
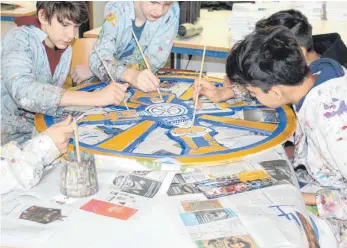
[307, 124]
[112, 18]
[341, 110]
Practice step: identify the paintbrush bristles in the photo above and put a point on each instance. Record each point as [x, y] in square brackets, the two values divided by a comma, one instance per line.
[197, 93]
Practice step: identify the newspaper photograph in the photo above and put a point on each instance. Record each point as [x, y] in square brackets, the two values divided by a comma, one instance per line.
[141, 183]
[129, 193]
[234, 184]
[268, 217]
[279, 170]
[192, 206]
[206, 216]
[241, 241]
[185, 183]
[38, 220]
[208, 219]
[261, 115]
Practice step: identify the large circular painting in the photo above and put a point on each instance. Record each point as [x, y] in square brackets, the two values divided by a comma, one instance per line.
[156, 127]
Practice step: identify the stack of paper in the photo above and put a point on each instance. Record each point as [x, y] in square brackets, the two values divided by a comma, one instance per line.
[243, 19]
[246, 15]
[336, 11]
[312, 10]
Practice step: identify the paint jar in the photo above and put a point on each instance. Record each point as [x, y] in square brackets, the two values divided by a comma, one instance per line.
[78, 179]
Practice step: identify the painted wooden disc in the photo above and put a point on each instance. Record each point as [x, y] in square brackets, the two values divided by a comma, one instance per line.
[155, 129]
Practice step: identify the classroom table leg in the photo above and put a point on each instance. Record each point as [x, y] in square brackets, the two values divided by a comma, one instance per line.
[178, 61]
[172, 61]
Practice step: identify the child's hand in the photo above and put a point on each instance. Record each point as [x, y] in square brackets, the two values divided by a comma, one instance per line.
[80, 73]
[309, 199]
[113, 93]
[206, 89]
[61, 133]
[146, 81]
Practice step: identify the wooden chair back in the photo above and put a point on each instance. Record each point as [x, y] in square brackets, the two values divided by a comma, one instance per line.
[81, 49]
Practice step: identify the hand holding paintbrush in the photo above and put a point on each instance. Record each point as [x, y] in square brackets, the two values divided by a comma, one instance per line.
[152, 77]
[60, 133]
[113, 86]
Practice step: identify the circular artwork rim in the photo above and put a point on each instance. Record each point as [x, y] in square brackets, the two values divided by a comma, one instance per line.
[285, 128]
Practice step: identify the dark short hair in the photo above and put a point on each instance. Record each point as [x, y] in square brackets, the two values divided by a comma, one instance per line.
[267, 57]
[76, 11]
[295, 21]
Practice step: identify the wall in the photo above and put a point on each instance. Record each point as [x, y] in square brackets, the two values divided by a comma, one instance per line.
[98, 13]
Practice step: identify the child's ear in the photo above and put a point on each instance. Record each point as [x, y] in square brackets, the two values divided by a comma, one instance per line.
[276, 93]
[304, 51]
[42, 17]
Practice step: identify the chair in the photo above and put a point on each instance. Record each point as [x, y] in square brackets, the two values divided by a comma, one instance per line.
[80, 55]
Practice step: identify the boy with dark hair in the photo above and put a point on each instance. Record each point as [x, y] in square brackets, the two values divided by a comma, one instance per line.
[313, 47]
[270, 64]
[316, 46]
[36, 59]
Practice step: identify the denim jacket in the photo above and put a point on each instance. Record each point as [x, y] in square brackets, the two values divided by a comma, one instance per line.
[27, 84]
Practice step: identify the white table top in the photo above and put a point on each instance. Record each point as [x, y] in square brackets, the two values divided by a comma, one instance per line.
[156, 225]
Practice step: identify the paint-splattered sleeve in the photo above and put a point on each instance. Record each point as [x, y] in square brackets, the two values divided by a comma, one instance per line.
[331, 124]
[161, 44]
[241, 92]
[332, 203]
[107, 45]
[19, 78]
[22, 167]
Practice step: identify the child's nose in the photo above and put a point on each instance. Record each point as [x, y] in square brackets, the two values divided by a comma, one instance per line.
[71, 33]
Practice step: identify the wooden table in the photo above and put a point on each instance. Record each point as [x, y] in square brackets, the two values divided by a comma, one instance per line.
[9, 15]
[218, 40]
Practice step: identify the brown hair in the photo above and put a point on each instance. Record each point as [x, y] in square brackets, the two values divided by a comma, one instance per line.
[76, 11]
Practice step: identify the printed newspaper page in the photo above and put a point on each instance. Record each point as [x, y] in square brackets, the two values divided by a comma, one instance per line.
[270, 217]
[129, 193]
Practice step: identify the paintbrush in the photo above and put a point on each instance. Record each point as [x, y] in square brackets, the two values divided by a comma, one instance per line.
[197, 92]
[108, 72]
[144, 59]
[77, 142]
